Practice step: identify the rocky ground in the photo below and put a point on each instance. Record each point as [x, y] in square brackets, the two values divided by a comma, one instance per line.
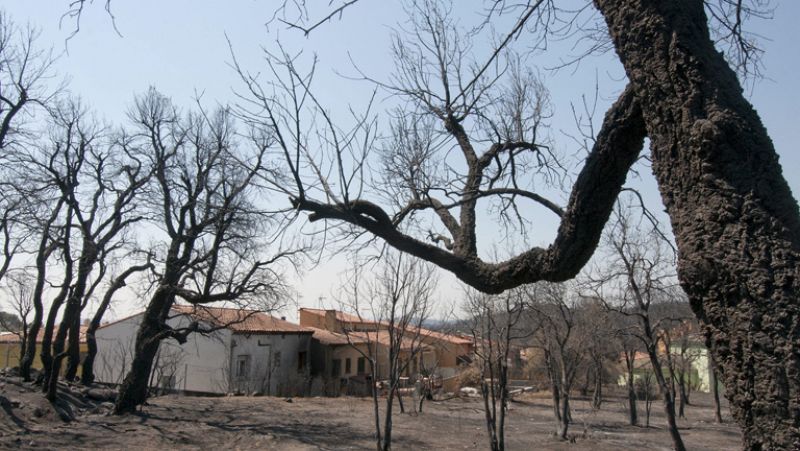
[80, 420]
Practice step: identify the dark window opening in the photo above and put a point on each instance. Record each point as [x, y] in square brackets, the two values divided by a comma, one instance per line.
[347, 366]
[301, 361]
[242, 366]
[362, 364]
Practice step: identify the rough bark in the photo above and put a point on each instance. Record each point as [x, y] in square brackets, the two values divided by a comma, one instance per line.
[133, 391]
[734, 219]
[70, 318]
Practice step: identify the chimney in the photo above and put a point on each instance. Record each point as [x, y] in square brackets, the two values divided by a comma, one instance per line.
[331, 323]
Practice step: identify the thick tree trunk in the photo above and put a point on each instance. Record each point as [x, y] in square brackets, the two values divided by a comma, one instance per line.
[74, 348]
[133, 391]
[46, 351]
[70, 321]
[733, 216]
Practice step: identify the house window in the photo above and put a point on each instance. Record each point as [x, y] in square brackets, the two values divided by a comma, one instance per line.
[276, 359]
[301, 361]
[242, 366]
[362, 364]
[337, 367]
[347, 366]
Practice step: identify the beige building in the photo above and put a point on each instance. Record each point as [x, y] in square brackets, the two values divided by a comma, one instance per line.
[342, 344]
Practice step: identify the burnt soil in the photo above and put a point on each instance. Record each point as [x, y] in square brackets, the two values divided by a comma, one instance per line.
[81, 421]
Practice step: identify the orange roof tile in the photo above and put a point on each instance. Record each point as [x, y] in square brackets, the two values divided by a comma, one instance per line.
[348, 318]
[341, 316]
[327, 337]
[240, 320]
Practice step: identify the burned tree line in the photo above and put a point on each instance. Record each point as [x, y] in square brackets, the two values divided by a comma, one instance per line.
[575, 338]
[162, 208]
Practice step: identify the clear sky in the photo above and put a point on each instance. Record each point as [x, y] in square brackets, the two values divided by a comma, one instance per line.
[180, 47]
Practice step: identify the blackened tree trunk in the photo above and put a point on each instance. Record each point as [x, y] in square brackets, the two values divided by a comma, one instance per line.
[133, 391]
[73, 347]
[71, 316]
[45, 249]
[46, 352]
[733, 216]
[633, 416]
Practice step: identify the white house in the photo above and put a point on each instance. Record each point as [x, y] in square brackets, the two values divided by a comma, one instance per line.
[250, 352]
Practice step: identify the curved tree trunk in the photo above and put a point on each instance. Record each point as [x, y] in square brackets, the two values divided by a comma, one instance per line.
[73, 348]
[133, 391]
[29, 346]
[734, 219]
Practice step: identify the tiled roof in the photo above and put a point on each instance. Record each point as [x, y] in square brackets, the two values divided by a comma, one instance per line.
[455, 339]
[348, 318]
[327, 337]
[383, 338]
[11, 337]
[340, 316]
[240, 320]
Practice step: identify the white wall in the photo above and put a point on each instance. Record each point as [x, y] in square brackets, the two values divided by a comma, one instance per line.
[201, 364]
[209, 363]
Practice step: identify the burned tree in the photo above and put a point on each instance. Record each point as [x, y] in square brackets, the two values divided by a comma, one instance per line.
[214, 234]
[25, 81]
[497, 324]
[100, 182]
[20, 297]
[117, 283]
[563, 338]
[638, 282]
[716, 168]
[398, 299]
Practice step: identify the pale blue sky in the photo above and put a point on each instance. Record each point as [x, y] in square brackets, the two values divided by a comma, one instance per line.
[179, 46]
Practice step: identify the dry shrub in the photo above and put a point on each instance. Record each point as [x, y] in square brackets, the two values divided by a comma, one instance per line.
[470, 377]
